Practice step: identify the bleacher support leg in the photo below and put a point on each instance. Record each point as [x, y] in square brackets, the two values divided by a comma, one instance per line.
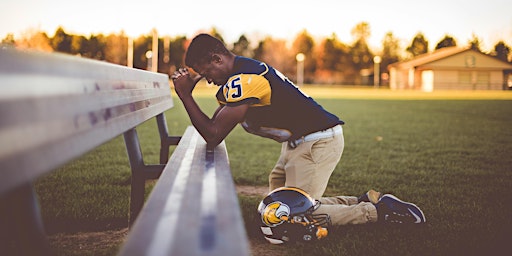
[138, 180]
[165, 140]
[140, 173]
[22, 231]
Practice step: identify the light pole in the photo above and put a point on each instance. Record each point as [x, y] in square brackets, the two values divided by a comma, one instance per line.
[154, 49]
[129, 55]
[149, 57]
[300, 68]
[376, 71]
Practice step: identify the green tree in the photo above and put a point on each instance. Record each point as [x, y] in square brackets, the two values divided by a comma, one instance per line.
[305, 44]
[96, 46]
[78, 44]
[331, 52]
[361, 55]
[61, 41]
[177, 52]
[215, 33]
[362, 58]
[34, 39]
[390, 51]
[474, 42]
[166, 50]
[242, 47]
[334, 62]
[116, 48]
[141, 46]
[447, 41]
[8, 39]
[361, 31]
[419, 45]
[275, 53]
[501, 51]
[259, 51]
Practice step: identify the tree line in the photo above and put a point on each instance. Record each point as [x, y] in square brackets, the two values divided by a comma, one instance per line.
[327, 61]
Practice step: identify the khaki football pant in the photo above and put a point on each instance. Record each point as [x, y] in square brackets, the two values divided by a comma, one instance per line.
[309, 167]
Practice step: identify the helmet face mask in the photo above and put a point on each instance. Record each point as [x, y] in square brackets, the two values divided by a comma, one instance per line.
[287, 216]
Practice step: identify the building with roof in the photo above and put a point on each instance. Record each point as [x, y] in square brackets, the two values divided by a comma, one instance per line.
[451, 68]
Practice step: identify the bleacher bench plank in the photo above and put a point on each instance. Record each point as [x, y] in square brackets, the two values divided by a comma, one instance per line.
[54, 108]
[193, 209]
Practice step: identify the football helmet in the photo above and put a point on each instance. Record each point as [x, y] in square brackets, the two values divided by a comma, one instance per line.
[287, 216]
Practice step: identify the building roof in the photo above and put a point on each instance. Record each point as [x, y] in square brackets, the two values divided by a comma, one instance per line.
[440, 54]
[430, 57]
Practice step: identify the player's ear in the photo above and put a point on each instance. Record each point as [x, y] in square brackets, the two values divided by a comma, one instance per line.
[217, 59]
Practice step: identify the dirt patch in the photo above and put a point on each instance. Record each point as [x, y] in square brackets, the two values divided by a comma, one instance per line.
[87, 241]
[252, 190]
[101, 241]
[261, 247]
[90, 242]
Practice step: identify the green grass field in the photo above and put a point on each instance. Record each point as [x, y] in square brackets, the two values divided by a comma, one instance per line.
[448, 152]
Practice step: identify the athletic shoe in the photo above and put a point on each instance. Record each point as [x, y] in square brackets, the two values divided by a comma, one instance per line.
[371, 196]
[390, 209]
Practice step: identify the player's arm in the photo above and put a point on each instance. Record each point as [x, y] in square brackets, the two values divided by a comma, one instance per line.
[214, 129]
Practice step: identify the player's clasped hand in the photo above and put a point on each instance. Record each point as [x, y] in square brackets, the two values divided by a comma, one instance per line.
[183, 83]
[179, 73]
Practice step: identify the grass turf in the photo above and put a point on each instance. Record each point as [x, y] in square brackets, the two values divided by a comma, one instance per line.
[448, 152]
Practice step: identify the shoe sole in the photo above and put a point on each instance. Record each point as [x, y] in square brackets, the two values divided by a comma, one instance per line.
[419, 218]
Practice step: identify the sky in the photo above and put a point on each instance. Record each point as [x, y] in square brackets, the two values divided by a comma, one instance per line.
[489, 20]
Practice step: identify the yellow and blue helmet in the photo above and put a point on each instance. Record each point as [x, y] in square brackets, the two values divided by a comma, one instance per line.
[287, 216]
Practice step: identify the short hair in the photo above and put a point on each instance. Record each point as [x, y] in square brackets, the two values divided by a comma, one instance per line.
[201, 49]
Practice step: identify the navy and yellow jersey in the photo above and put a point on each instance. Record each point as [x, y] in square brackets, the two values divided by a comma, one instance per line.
[278, 109]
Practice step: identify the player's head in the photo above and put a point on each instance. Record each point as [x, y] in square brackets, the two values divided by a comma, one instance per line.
[209, 57]
[287, 216]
